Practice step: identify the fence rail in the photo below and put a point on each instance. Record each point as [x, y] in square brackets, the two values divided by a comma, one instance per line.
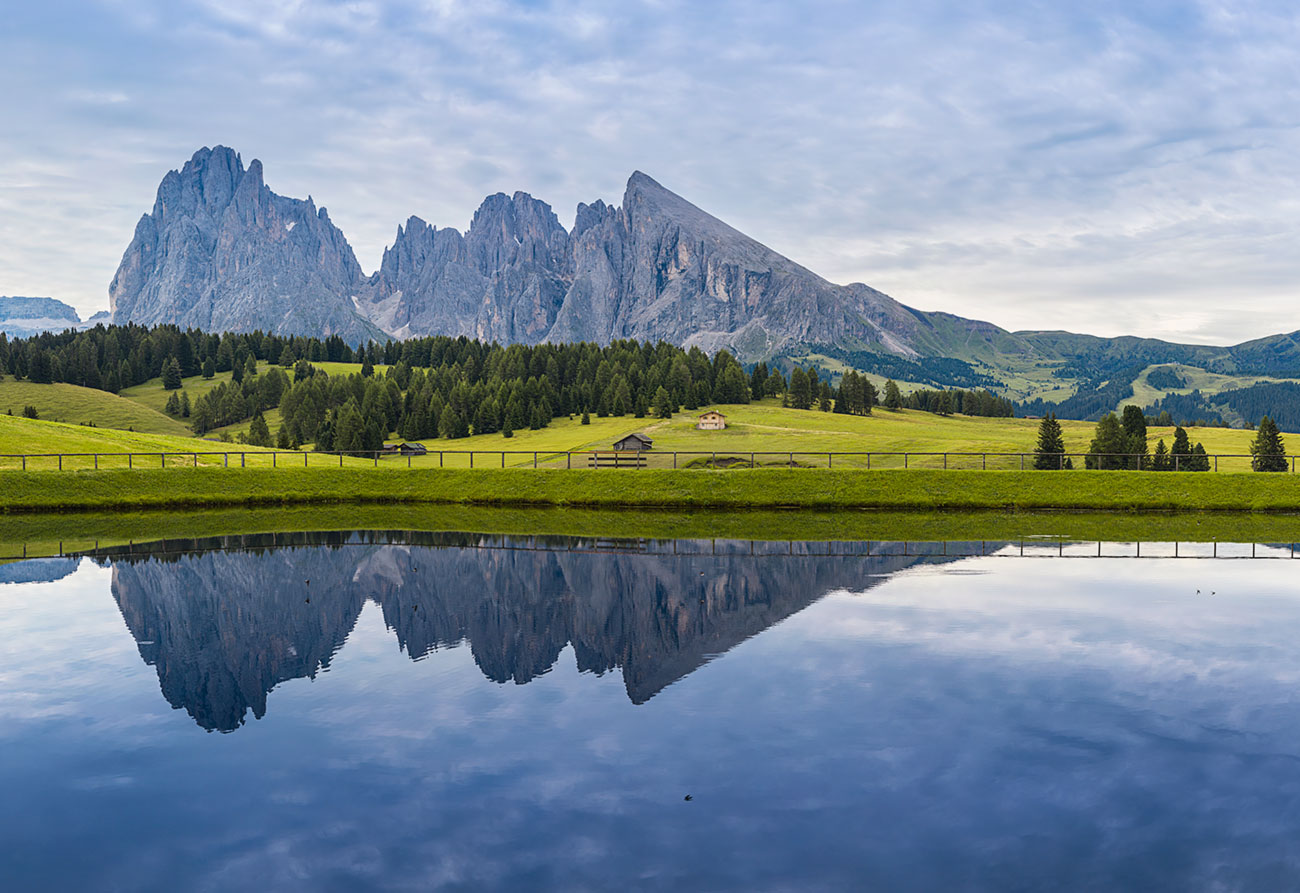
[1033, 547]
[631, 459]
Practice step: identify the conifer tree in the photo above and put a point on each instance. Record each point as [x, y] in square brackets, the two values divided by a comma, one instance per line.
[185, 405]
[1180, 454]
[1105, 451]
[171, 374]
[259, 434]
[1160, 459]
[1200, 460]
[209, 368]
[173, 406]
[1134, 423]
[1049, 454]
[893, 396]
[1267, 452]
[663, 404]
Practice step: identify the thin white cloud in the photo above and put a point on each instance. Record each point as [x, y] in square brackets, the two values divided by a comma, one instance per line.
[1102, 168]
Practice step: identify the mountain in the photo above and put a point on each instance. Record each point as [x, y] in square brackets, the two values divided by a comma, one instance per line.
[221, 251]
[21, 317]
[224, 628]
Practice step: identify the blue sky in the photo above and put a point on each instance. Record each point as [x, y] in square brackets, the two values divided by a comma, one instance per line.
[1091, 166]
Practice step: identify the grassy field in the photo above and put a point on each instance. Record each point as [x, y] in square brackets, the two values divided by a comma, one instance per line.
[1208, 383]
[923, 490]
[52, 534]
[18, 435]
[76, 405]
[769, 427]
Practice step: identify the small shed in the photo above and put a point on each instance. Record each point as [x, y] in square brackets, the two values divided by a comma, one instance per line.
[406, 449]
[636, 442]
[711, 421]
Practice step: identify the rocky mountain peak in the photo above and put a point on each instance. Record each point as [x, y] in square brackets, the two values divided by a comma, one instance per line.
[222, 251]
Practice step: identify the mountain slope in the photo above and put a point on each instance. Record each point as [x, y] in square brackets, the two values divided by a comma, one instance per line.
[222, 252]
[21, 317]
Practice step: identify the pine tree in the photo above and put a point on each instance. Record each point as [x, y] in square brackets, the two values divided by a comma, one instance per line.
[259, 434]
[893, 396]
[185, 405]
[282, 441]
[1180, 455]
[1160, 459]
[1200, 460]
[1134, 424]
[1049, 454]
[171, 374]
[586, 417]
[209, 368]
[1107, 446]
[173, 406]
[367, 368]
[1267, 451]
[663, 404]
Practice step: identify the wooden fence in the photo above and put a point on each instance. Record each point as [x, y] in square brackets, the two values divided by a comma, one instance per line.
[631, 459]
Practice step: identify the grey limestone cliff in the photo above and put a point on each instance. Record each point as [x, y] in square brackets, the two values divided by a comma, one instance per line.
[220, 251]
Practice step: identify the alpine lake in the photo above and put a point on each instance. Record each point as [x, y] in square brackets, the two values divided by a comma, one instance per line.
[404, 710]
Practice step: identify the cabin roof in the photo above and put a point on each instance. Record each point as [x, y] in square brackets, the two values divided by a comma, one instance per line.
[640, 437]
[712, 412]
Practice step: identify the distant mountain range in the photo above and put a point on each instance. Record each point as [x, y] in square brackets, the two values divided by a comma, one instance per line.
[221, 252]
[23, 317]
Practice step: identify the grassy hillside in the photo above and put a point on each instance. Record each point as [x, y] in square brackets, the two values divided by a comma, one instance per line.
[19, 435]
[1194, 378]
[75, 405]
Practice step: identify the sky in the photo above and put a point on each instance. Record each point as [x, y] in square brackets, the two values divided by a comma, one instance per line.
[1105, 167]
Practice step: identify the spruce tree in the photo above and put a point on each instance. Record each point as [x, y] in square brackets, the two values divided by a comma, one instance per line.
[209, 368]
[663, 404]
[1049, 454]
[171, 374]
[1134, 424]
[173, 406]
[1180, 455]
[185, 405]
[1267, 451]
[1200, 460]
[1160, 459]
[893, 396]
[586, 417]
[259, 434]
[1107, 445]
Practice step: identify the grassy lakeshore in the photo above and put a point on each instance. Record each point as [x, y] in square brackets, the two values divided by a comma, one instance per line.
[33, 535]
[815, 489]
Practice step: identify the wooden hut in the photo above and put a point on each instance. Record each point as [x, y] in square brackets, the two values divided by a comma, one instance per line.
[711, 421]
[633, 442]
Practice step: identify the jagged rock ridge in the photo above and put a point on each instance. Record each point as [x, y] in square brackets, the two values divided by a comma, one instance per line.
[222, 252]
[224, 628]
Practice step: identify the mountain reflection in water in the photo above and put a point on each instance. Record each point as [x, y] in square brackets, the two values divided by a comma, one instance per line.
[224, 628]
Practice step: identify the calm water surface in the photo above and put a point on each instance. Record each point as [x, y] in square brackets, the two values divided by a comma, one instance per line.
[515, 715]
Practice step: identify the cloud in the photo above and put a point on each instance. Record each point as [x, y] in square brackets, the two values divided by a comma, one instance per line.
[1101, 168]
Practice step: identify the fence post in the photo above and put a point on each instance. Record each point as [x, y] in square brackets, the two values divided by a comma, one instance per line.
[60, 461]
[304, 458]
[97, 461]
[376, 458]
[408, 460]
[985, 460]
[905, 460]
[162, 460]
[225, 459]
[273, 458]
[1178, 463]
[340, 459]
[534, 458]
[868, 461]
[440, 458]
[243, 460]
[471, 458]
[568, 459]
[830, 460]
[128, 461]
[945, 461]
[1216, 463]
[674, 458]
[1022, 461]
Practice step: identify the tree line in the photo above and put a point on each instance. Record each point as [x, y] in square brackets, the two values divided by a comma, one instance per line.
[1121, 443]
